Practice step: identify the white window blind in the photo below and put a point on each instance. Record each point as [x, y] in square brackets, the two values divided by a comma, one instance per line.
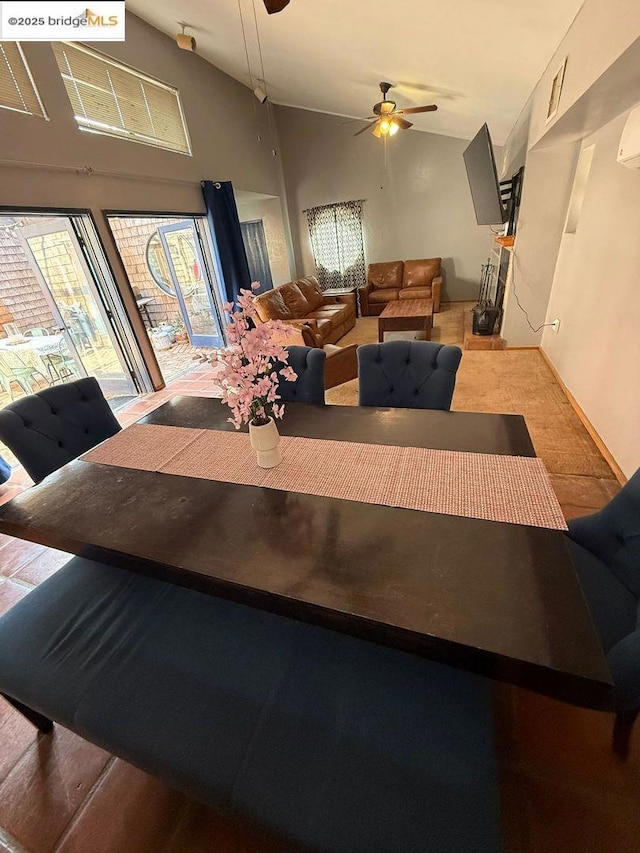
[17, 89]
[115, 100]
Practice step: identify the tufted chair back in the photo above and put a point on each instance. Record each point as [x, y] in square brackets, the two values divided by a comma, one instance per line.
[48, 429]
[308, 363]
[613, 535]
[408, 374]
[606, 553]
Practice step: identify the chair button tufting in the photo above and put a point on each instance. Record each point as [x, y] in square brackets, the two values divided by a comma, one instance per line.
[60, 444]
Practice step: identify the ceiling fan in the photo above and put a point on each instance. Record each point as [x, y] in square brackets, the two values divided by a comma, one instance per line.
[274, 6]
[387, 120]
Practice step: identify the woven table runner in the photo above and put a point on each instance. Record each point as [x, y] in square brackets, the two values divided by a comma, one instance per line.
[514, 489]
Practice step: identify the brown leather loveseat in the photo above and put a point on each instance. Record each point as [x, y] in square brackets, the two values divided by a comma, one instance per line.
[302, 302]
[420, 279]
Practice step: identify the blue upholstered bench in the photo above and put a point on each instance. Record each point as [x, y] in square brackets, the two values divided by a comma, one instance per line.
[336, 743]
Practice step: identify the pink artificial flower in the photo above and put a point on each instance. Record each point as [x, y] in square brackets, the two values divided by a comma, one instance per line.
[253, 363]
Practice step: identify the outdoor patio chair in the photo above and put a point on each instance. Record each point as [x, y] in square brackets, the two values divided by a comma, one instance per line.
[54, 426]
[60, 365]
[13, 369]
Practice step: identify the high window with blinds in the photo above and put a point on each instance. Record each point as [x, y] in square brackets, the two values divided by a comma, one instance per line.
[115, 100]
[17, 89]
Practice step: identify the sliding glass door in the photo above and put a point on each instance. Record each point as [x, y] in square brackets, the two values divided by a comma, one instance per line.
[186, 268]
[57, 319]
[90, 346]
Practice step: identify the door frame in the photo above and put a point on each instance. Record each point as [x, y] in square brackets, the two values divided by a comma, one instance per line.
[91, 241]
[42, 229]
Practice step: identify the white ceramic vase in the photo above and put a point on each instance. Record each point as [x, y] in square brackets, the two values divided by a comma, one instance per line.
[265, 440]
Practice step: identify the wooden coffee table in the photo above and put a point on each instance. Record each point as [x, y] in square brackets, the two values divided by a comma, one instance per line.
[406, 315]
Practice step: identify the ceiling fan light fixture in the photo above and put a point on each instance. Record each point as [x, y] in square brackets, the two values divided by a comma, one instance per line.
[394, 127]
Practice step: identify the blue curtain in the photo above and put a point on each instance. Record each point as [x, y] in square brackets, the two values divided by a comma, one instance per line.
[222, 214]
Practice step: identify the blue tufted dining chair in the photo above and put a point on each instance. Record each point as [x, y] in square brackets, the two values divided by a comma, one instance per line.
[308, 363]
[606, 554]
[48, 429]
[408, 374]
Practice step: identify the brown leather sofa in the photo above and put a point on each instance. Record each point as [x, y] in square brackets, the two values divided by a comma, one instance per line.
[302, 302]
[420, 279]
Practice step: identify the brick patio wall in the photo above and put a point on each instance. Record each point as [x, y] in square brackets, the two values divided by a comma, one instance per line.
[21, 297]
[131, 236]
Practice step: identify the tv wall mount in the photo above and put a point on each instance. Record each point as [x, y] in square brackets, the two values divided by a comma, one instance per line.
[510, 194]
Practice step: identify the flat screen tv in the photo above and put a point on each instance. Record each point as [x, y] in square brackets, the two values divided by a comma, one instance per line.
[483, 179]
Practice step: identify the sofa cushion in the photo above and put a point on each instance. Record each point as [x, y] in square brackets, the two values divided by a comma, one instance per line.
[294, 299]
[415, 293]
[336, 314]
[271, 306]
[387, 294]
[420, 272]
[384, 276]
[311, 290]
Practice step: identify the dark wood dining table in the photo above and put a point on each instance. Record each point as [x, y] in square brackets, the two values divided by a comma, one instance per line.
[494, 598]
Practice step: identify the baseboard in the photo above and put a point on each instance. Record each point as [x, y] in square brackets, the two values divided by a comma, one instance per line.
[602, 447]
[520, 349]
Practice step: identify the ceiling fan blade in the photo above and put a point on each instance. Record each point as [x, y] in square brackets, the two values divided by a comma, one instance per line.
[412, 110]
[274, 6]
[366, 127]
[402, 122]
[351, 120]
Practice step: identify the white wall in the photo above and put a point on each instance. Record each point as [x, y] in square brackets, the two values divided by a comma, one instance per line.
[596, 295]
[417, 204]
[548, 178]
[600, 33]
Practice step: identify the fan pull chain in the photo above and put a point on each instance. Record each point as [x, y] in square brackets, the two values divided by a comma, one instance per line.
[246, 53]
[264, 79]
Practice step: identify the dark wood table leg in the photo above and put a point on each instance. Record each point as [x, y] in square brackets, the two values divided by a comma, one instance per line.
[380, 330]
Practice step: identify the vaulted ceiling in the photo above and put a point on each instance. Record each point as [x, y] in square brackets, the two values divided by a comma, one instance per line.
[477, 59]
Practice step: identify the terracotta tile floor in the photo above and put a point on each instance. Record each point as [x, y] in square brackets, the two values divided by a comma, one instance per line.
[562, 790]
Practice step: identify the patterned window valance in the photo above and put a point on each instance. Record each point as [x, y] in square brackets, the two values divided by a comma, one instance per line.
[335, 231]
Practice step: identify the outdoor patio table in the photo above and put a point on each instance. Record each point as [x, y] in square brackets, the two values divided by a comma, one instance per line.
[492, 597]
[32, 350]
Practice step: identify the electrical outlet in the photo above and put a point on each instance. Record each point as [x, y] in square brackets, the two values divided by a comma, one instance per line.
[555, 325]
